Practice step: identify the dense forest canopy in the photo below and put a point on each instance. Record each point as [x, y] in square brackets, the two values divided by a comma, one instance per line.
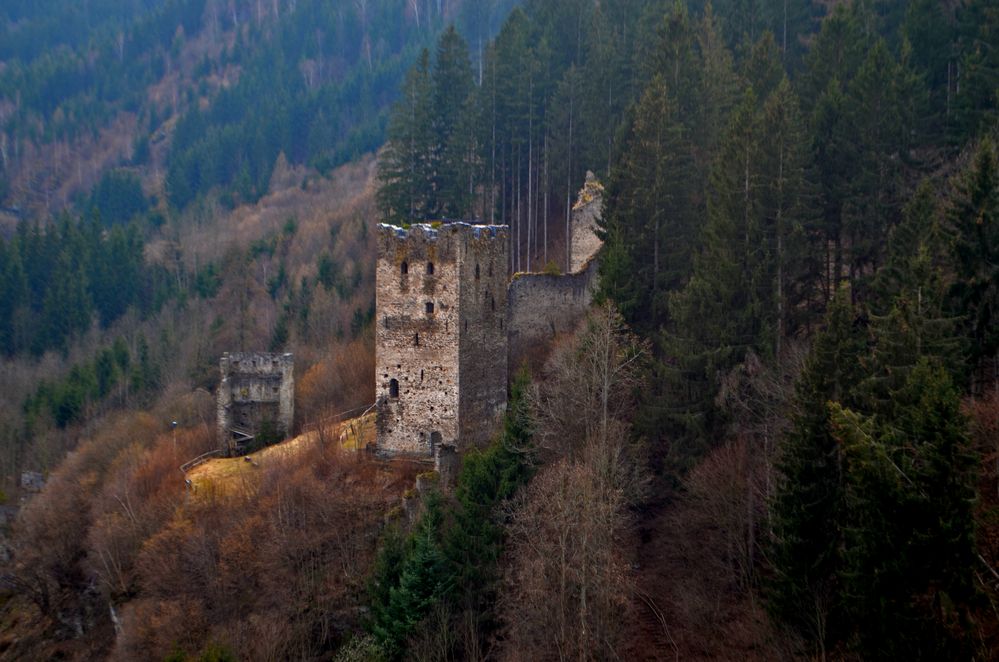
[774, 435]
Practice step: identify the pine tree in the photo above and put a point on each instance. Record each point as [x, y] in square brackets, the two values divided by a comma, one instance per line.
[405, 192]
[647, 214]
[880, 125]
[451, 83]
[808, 504]
[908, 552]
[973, 220]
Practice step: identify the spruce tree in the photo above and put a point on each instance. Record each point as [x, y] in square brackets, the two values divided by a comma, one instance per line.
[909, 550]
[648, 212]
[808, 503]
[973, 221]
[405, 191]
[453, 144]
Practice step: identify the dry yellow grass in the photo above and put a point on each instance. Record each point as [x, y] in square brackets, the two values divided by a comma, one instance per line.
[238, 475]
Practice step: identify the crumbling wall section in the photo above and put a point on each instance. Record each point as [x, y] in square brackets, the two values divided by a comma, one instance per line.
[585, 243]
[541, 307]
[257, 390]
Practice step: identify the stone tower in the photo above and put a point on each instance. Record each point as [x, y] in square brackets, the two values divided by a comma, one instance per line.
[256, 394]
[441, 337]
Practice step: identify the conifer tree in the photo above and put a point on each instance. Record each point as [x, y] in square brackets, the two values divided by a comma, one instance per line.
[909, 488]
[453, 146]
[808, 503]
[973, 220]
[405, 168]
[648, 211]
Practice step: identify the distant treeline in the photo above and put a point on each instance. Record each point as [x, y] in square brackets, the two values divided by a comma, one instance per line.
[314, 79]
[55, 282]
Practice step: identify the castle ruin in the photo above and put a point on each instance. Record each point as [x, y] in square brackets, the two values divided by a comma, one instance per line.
[256, 397]
[451, 325]
[440, 338]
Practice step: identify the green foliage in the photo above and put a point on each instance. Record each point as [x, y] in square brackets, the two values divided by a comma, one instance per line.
[118, 197]
[66, 401]
[409, 578]
[909, 489]
[973, 222]
[451, 557]
[54, 282]
[808, 503]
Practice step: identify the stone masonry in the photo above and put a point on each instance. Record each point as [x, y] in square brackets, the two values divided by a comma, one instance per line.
[440, 339]
[545, 306]
[257, 392]
[584, 240]
[450, 325]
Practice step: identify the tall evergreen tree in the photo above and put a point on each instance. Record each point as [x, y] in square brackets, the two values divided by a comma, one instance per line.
[405, 191]
[973, 220]
[808, 503]
[909, 550]
[648, 211]
[452, 127]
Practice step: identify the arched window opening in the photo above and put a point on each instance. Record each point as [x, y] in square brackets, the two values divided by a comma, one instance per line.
[435, 441]
[430, 308]
[416, 339]
[404, 268]
[394, 388]
[430, 268]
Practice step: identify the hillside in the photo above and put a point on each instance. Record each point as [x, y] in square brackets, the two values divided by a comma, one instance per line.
[773, 436]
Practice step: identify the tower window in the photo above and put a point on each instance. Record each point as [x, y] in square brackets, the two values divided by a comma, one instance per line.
[394, 388]
[430, 268]
[404, 268]
[492, 302]
[476, 271]
[416, 339]
[430, 308]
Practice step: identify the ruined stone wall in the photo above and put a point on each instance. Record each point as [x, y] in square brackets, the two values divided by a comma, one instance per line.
[541, 307]
[257, 388]
[418, 349]
[483, 344]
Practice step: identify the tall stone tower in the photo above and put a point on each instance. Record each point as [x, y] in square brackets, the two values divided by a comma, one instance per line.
[441, 337]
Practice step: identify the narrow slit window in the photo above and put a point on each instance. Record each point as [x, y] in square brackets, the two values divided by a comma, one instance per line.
[430, 308]
[430, 268]
[404, 268]
[476, 271]
[416, 339]
[394, 388]
[492, 302]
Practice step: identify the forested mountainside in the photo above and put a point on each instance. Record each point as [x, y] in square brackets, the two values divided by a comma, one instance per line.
[775, 437]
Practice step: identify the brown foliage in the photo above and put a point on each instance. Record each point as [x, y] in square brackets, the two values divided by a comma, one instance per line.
[567, 589]
[340, 381]
[273, 575]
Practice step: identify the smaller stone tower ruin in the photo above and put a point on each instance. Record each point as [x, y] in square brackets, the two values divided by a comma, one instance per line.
[441, 337]
[256, 398]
